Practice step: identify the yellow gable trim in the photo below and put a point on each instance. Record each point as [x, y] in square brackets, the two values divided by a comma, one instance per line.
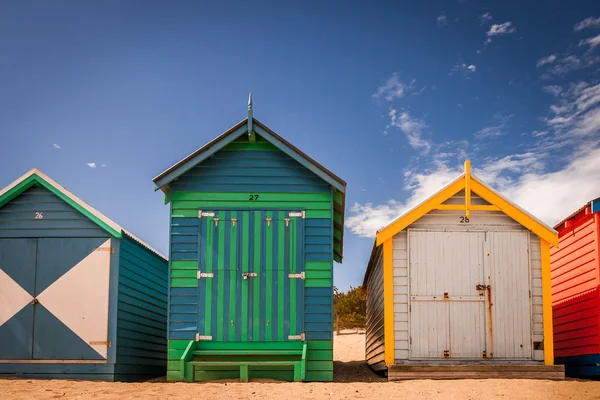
[420, 210]
[470, 184]
[512, 211]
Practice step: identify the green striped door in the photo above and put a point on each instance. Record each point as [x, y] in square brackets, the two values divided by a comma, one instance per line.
[251, 285]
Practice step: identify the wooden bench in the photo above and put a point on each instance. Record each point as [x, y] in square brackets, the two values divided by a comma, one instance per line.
[188, 365]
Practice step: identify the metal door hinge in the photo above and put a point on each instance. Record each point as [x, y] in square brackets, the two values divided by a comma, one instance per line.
[484, 354]
[205, 214]
[298, 214]
[446, 353]
[247, 275]
[200, 337]
[268, 221]
[301, 337]
[216, 221]
[301, 275]
[111, 250]
[205, 275]
[100, 343]
[287, 222]
[233, 221]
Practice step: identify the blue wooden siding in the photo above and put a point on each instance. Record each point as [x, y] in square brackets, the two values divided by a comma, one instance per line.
[17, 218]
[141, 312]
[250, 171]
[254, 171]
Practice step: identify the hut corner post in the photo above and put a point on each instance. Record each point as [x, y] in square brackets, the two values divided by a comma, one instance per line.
[388, 301]
[547, 303]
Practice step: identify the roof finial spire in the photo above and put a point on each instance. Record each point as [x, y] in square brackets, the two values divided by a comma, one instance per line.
[250, 114]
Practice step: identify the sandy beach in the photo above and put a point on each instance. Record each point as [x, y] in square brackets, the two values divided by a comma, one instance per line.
[353, 380]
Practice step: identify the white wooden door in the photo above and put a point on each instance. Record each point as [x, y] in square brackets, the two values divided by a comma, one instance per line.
[447, 311]
[508, 259]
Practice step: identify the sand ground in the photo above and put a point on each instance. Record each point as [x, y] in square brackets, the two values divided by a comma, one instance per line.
[353, 380]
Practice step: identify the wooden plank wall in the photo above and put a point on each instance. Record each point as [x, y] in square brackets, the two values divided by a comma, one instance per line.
[226, 181]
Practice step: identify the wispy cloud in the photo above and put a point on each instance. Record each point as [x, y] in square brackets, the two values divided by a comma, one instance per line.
[442, 20]
[103, 165]
[461, 67]
[394, 88]
[549, 195]
[91, 164]
[592, 42]
[56, 146]
[498, 129]
[546, 60]
[485, 18]
[412, 127]
[590, 22]
[501, 29]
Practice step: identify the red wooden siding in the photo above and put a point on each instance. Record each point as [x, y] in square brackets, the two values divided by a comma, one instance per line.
[575, 286]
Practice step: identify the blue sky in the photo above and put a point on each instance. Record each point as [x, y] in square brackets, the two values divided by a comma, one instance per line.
[392, 97]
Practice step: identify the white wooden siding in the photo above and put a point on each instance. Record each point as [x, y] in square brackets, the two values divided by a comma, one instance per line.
[401, 325]
[479, 221]
[374, 348]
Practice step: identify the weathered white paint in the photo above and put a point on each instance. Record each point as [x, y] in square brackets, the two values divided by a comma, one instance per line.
[508, 268]
[374, 348]
[445, 268]
[12, 297]
[401, 325]
[480, 221]
[79, 298]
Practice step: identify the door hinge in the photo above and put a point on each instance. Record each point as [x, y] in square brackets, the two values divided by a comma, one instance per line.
[301, 337]
[106, 343]
[205, 275]
[484, 354]
[200, 337]
[111, 250]
[446, 353]
[298, 214]
[301, 275]
[205, 214]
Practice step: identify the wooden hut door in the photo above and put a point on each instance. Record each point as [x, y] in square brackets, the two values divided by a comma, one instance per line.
[54, 298]
[251, 276]
[447, 309]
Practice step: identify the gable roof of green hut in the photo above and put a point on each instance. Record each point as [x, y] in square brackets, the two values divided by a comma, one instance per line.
[251, 128]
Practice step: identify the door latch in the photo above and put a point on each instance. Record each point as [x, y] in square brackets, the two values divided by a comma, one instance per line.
[481, 287]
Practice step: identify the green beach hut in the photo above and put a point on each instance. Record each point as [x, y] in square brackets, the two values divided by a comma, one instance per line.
[255, 227]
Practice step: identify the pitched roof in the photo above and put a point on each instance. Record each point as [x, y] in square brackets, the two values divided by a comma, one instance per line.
[162, 180]
[37, 177]
[184, 165]
[594, 207]
[471, 183]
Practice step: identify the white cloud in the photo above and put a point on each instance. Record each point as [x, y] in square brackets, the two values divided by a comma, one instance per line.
[394, 88]
[91, 164]
[494, 130]
[550, 196]
[56, 146]
[461, 67]
[103, 165]
[592, 42]
[546, 60]
[501, 29]
[412, 127]
[589, 22]
[442, 19]
[483, 19]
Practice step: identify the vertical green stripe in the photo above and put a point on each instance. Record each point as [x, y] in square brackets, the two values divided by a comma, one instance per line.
[209, 259]
[245, 237]
[256, 281]
[280, 273]
[294, 281]
[232, 277]
[221, 280]
[269, 279]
